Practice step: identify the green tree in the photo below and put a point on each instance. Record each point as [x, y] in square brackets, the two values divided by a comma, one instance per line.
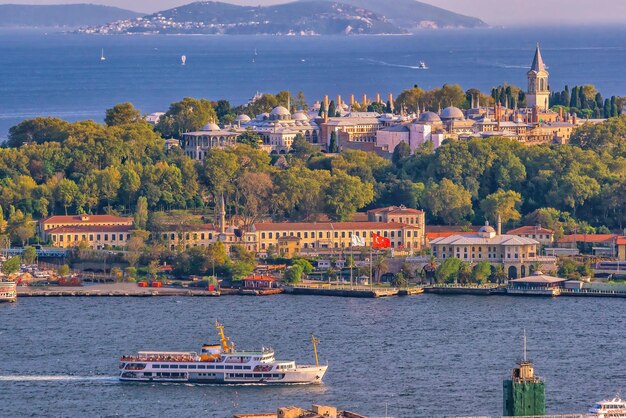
[250, 137]
[64, 270]
[481, 272]
[307, 268]
[241, 269]
[217, 255]
[303, 150]
[502, 203]
[122, 114]
[400, 152]
[333, 145]
[185, 116]
[448, 271]
[141, 213]
[448, 201]
[109, 181]
[66, 193]
[12, 265]
[400, 280]
[293, 274]
[38, 130]
[29, 255]
[346, 194]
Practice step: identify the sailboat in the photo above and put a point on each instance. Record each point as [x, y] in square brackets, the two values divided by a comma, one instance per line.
[183, 59]
[102, 57]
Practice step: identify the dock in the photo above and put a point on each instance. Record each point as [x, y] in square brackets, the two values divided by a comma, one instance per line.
[342, 291]
[110, 290]
[465, 290]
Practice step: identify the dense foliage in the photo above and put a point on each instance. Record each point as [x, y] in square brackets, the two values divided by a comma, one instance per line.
[49, 166]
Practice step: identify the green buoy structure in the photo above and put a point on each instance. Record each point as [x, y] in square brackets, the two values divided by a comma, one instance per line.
[524, 393]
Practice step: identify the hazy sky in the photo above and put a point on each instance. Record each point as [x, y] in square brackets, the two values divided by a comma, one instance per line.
[494, 12]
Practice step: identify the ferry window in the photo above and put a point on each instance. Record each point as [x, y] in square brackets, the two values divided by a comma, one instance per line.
[147, 374]
[191, 367]
[248, 375]
[219, 367]
[201, 366]
[228, 367]
[173, 366]
[156, 366]
[238, 367]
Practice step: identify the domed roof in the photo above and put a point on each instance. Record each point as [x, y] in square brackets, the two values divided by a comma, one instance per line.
[452, 113]
[487, 229]
[210, 127]
[280, 111]
[429, 117]
[262, 116]
[242, 118]
[300, 116]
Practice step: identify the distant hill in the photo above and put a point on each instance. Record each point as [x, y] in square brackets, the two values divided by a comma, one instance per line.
[411, 14]
[211, 17]
[70, 15]
[304, 17]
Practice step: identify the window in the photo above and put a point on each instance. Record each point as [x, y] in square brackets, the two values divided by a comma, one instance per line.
[336, 234]
[75, 237]
[90, 237]
[106, 237]
[121, 237]
[262, 235]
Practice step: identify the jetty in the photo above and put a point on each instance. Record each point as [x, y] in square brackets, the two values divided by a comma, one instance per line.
[342, 291]
[110, 290]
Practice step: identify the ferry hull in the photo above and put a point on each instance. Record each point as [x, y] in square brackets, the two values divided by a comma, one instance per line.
[303, 375]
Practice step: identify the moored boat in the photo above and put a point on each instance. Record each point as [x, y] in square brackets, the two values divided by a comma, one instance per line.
[218, 364]
[8, 291]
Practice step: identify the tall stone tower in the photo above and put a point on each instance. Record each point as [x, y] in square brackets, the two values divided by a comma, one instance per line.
[538, 94]
[525, 393]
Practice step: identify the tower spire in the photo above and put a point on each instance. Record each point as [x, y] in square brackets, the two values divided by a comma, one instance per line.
[538, 64]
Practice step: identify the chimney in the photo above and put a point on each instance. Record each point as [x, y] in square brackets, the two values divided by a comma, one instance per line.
[352, 101]
[498, 112]
[364, 99]
[574, 118]
[339, 103]
[560, 114]
[326, 104]
[378, 98]
[391, 101]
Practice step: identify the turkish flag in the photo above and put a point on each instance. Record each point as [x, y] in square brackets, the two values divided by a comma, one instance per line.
[378, 241]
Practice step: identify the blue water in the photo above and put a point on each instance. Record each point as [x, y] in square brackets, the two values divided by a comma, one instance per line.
[423, 356]
[62, 75]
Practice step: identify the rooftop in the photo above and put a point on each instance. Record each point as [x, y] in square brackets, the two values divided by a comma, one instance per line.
[538, 278]
[325, 226]
[86, 219]
[588, 238]
[80, 229]
[537, 229]
[476, 239]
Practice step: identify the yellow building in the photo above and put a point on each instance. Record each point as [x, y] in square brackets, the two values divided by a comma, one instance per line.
[183, 237]
[324, 237]
[621, 249]
[288, 247]
[94, 236]
[544, 236]
[83, 220]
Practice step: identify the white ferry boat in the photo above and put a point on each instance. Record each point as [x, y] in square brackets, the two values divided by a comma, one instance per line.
[614, 408]
[218, 364]
[8, 291]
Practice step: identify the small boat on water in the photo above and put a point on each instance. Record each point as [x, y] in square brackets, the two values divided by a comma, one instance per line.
[219, 363]
[102, 57]
[613, 408]
[8, 291]
[183, 59]
[422, 66]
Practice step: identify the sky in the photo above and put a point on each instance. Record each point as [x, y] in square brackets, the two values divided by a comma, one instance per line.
[494, 12]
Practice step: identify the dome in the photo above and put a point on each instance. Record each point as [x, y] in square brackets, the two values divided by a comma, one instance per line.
[242, 118]
[280, 111]
[452, 113]
[300, 116]
[262, 116]
[487, 229]
[429, 117]
[209, 127]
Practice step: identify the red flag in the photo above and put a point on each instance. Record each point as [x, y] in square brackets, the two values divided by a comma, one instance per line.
[378, 241]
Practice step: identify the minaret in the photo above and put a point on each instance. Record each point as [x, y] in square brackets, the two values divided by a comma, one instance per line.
[499, 230]
[538, 92]
[222, 216]
[525, 393]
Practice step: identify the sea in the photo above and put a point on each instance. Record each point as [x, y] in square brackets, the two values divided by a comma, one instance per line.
[61, 74]
[421, 356]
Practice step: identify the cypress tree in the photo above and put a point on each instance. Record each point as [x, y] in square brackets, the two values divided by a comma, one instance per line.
[607, 109]
[614, 111]
[582, 98]
[322, 110]
[599, 101]
[565, 97]
[574, 98]
[388, 108]
[333, 147]
[332, 109]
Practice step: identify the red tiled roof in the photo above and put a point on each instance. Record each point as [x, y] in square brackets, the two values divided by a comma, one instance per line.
[446, 234]
[89, 218]
[187, 228]
[530, 230]
[452, 228]
[621, 241]
[395, 209]
[90, 228]
[588, 238]
[259, 279]
[324, 226]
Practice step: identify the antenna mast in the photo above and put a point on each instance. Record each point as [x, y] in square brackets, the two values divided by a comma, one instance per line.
[525, 357]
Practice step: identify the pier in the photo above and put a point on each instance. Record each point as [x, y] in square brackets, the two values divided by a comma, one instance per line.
[342, 291]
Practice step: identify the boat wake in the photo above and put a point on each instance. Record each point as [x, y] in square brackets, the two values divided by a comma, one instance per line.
[57, 378]
[388, 64]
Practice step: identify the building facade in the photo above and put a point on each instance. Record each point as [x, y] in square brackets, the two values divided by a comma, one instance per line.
[544, 236]
[538, 94]
[517, 254]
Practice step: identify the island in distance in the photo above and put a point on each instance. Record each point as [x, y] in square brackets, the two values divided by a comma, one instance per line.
[306, 17]
[60, 16]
